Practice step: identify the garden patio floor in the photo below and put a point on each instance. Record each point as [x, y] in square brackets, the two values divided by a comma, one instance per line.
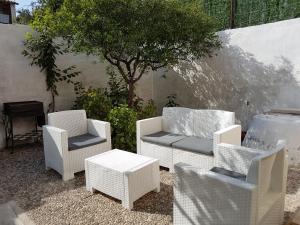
[48, 200]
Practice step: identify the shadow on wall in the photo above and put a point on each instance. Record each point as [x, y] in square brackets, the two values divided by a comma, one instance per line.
[231, 79]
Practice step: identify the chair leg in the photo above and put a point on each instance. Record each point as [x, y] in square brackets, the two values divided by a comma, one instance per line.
[68, 176]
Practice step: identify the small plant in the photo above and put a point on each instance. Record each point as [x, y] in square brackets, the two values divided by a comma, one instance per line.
[148, 110]
[96, 104]
[123, 120]
[172, 101]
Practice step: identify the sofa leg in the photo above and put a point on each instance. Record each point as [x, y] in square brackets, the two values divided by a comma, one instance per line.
[68, 176]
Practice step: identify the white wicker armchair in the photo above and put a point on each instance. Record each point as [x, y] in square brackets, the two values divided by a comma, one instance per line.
[251, 195]
[70, 138]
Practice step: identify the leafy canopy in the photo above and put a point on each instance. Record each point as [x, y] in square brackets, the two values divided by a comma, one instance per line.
[153, 32]
[135, 36]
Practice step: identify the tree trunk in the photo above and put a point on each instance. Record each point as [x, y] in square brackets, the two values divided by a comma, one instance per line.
[130, 93]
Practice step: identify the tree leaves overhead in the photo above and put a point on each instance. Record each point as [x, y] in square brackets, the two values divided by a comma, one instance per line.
[154, 32]
[135, 36]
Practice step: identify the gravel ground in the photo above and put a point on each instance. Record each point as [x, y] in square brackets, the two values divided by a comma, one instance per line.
[49, 200]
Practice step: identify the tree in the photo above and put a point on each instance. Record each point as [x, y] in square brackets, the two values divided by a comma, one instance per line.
[24, 16]
[135, 36]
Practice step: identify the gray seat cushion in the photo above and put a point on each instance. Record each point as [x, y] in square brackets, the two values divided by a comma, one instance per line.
[195, 144]
[229, 173]
[162, 138]
[85, 140]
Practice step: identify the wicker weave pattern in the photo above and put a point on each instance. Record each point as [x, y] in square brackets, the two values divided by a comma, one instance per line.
[198, 160]
[207, 122]
[235, 158]
[73, 121]
[57, 155]
[204, 197]
[193, 122]
[128, 184]
[164, 154]
[182, 121]
[178, 120]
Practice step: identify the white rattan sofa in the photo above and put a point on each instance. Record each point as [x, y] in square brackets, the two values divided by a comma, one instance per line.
[247, 187]
[70, 138]
[185, 135]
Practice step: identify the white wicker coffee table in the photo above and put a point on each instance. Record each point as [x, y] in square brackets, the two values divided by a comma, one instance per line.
[123, 175]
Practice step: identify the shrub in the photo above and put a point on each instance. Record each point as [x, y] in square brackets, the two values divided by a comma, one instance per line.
[147, 111]
[110, 105]
[117, 90]
[172, 101]
[94, 101]
[123, 120]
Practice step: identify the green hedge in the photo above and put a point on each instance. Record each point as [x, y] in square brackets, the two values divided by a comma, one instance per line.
[251, 12]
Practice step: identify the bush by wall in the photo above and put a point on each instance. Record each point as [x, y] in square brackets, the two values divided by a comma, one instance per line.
[110, 105]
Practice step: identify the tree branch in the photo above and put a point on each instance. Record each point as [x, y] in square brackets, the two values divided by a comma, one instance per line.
[141, 74]
[118, 65]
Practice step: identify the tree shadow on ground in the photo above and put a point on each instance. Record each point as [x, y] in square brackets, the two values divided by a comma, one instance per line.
[154, 203]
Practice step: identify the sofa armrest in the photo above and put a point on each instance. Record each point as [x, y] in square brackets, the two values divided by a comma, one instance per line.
[55, 140]
[234, 158]
[147, 126]
[202, 196]
[229, 135]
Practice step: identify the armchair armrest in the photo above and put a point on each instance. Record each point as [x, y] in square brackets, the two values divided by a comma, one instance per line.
[229, 135]
[147, 126]
[202, 196]
[235, 158]
[55, 139]
[99, 128]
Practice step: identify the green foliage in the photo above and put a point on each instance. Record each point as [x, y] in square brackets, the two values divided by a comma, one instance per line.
[24, 16]
[147, 111]
[42, 50]
[96, 104]
[134, 36]
[252, 12]
[172, 101]
[105, 105]
[117, 90]
[123, 120]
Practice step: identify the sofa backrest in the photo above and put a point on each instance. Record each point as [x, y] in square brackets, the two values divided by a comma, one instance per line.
[196, 122]
[73, 121]
[178, 120]
[206, 122]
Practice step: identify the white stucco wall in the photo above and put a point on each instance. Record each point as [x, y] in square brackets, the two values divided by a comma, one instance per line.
[259, 64]
[21, 82]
